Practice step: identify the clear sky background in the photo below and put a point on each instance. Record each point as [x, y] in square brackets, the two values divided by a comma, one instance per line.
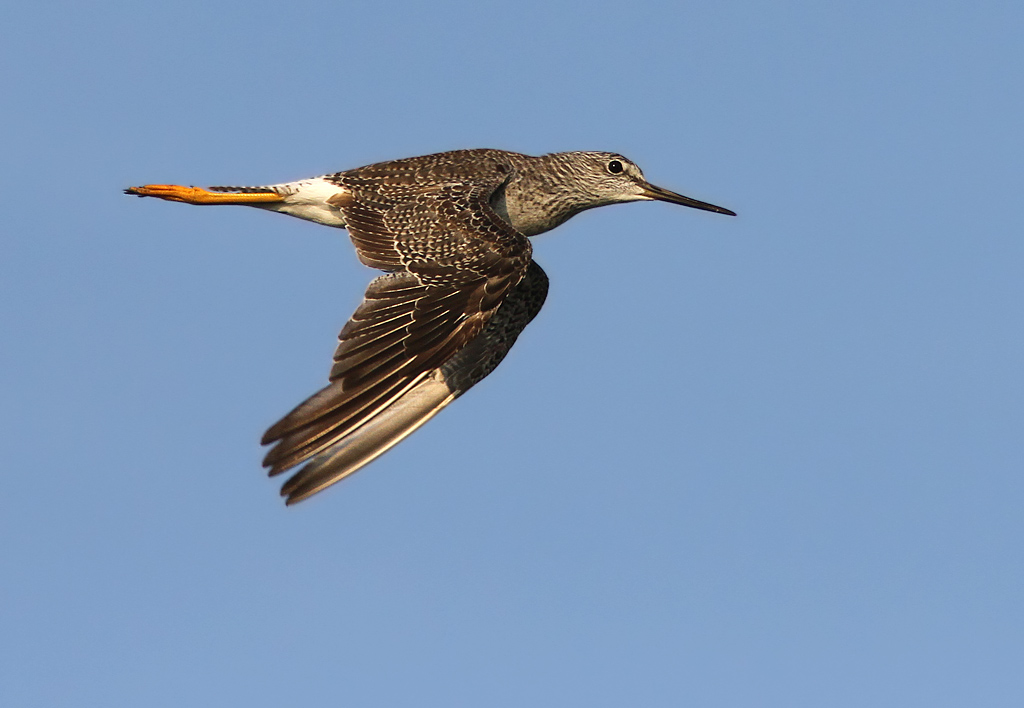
[774, 460]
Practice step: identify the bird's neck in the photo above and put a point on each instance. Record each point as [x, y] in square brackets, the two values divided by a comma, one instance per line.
[541, 195]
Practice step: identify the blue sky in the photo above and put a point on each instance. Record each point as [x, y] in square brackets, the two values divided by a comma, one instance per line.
[765, 461]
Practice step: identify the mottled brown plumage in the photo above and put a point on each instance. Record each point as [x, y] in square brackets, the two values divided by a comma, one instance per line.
[452, 231]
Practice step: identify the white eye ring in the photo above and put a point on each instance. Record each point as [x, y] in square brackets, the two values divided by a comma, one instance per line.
[615, 167]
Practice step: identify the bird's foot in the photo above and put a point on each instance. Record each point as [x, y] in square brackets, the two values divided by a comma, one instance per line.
[197, 195]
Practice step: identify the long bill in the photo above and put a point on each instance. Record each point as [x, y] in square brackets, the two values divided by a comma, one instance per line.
[664, 195]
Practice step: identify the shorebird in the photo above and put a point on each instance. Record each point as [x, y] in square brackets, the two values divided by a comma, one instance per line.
[452, 231]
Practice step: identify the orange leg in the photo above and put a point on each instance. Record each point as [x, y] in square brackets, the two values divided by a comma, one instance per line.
[197, 195]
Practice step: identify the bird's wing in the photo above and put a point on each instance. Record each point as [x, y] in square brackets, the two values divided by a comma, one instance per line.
[456, 262]
[407, 411]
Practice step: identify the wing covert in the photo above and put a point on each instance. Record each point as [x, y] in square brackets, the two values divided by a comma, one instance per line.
[453, 261]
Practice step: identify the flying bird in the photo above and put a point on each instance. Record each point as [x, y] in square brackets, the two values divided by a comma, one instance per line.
[452, 231]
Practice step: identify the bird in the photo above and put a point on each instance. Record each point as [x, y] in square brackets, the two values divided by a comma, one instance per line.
[452, 232]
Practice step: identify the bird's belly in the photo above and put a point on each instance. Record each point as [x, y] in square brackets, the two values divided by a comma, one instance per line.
[309, 199]
[319, 213]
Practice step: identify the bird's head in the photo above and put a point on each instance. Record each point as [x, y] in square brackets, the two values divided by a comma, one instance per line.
[610, 178]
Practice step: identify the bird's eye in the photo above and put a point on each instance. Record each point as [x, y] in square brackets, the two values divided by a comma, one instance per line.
[615, 167]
